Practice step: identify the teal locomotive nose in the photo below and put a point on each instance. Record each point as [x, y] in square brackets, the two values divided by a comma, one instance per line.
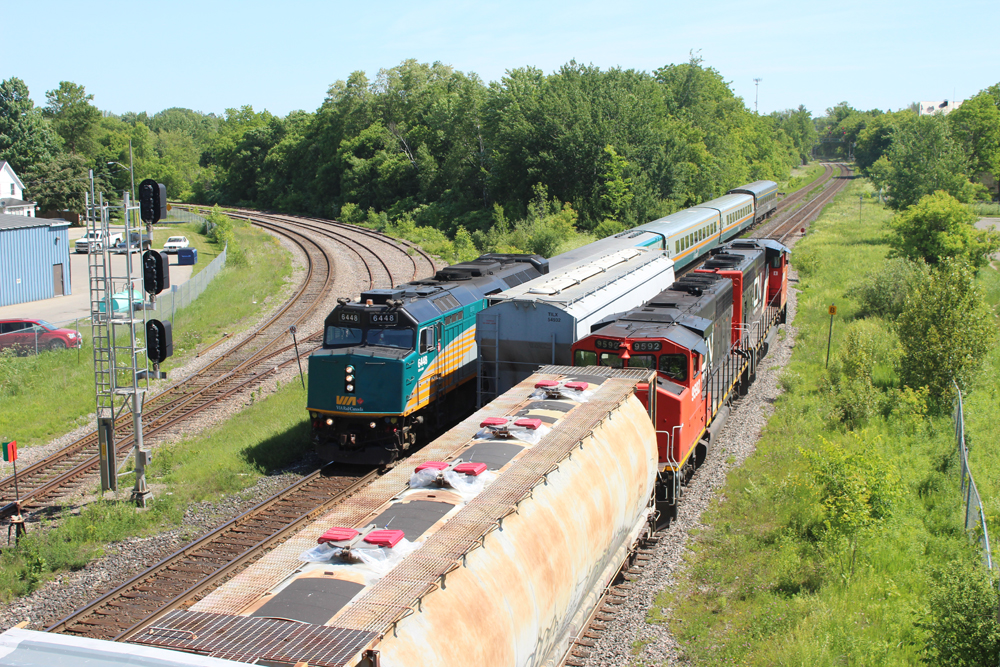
[355, 384]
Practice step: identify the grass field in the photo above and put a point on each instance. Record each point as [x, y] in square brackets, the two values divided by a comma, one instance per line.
[826, 545]
[222, 460]
[50, 394]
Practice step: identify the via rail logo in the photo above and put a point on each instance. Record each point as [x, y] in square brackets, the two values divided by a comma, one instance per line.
[351, 403]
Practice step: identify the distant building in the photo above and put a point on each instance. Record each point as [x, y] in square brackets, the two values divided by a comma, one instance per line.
[34, 258]
[12, 193]
[943, 107]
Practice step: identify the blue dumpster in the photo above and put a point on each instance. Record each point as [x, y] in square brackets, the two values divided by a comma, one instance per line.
[187, 256]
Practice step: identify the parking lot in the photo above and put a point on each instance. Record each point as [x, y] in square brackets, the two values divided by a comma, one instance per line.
[65, 310]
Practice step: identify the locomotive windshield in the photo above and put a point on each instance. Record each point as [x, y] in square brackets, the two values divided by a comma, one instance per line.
[390, 338]
[355, 337]
[342, 336]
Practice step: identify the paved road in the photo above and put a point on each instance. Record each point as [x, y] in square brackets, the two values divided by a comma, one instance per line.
[74, 306]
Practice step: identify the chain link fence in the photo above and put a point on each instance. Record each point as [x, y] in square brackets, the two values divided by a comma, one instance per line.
[975, 517]
[170, 301]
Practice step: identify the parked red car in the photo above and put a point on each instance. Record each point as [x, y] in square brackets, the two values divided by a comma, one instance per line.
[28, 336]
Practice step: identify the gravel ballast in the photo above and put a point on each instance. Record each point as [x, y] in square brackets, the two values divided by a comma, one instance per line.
[737, 441]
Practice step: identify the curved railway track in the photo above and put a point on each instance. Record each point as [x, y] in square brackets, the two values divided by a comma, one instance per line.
[785, 226]
[243, 367]
[196, 569]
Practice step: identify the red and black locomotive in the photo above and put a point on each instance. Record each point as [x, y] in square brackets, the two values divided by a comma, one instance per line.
[704, 335]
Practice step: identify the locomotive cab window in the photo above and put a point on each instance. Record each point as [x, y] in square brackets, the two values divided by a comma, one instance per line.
[342, 336]
[584, 358]
[611, 359]
[674, 366]
[402, 338]
[427, 342]
[642, 361]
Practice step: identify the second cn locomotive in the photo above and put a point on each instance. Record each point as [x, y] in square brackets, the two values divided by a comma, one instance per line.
[398, 360]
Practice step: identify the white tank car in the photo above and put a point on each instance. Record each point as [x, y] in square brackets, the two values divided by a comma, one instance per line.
[490, 547]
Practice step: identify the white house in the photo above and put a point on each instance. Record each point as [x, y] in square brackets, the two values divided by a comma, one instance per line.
[12, 193]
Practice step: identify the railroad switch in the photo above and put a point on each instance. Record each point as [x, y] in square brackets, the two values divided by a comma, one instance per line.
[17, 525]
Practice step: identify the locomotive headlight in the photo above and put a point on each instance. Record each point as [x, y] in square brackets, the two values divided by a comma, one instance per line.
[350, 387]
[371, 425]
[349, 369]
[350, 378]
[329, 421]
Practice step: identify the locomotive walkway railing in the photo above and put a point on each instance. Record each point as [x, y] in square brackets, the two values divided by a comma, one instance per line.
[975, 517]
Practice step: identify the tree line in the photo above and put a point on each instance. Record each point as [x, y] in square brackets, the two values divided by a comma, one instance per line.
[427, 145]
[532, 162]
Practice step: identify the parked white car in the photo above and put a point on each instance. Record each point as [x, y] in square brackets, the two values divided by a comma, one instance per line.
[174, 243]
[94, 241]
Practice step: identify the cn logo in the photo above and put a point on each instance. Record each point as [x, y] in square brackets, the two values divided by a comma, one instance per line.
[347, 400]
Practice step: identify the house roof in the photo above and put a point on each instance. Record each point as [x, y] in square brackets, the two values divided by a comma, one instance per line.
[8, 221]
[6, 165]
[11, 201]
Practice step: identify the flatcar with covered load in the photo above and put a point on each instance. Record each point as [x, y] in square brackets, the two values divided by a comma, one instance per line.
[393, 361]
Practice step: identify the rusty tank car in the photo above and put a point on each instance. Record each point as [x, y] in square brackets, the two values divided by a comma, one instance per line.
[491, 546]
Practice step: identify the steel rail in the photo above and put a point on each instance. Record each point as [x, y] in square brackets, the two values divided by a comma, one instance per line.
[53, 469]
[195, 567]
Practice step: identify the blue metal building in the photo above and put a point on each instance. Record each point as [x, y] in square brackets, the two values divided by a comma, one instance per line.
[34, 259]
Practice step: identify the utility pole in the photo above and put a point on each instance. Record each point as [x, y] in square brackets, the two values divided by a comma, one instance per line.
[756, 85]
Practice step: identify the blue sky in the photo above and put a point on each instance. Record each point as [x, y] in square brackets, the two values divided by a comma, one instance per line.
[211, 55]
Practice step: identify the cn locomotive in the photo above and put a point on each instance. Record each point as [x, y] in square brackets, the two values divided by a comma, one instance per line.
[704, 336]
[393, 362]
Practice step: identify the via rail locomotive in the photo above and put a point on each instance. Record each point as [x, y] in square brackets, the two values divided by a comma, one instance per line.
[704, 336]
[394, 361]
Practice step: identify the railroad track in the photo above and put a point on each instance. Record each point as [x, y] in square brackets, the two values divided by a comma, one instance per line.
[195, 570]
[797, 219]
[264, 351]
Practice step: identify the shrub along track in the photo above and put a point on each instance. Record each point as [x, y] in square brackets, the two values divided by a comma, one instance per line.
[246, 365]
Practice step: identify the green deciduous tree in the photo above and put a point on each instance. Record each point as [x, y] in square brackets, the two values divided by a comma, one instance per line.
[801, 130]
[939, 227]
[25, 138]
[945, 332]
[617, 193]
[923, 158]
[73, 117]
[60, 183]
[858, 490]
[976, 127]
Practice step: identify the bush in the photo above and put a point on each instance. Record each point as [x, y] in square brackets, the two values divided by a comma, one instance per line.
[945, 331]
[886, 290]
[962, 621]
[868, 355]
